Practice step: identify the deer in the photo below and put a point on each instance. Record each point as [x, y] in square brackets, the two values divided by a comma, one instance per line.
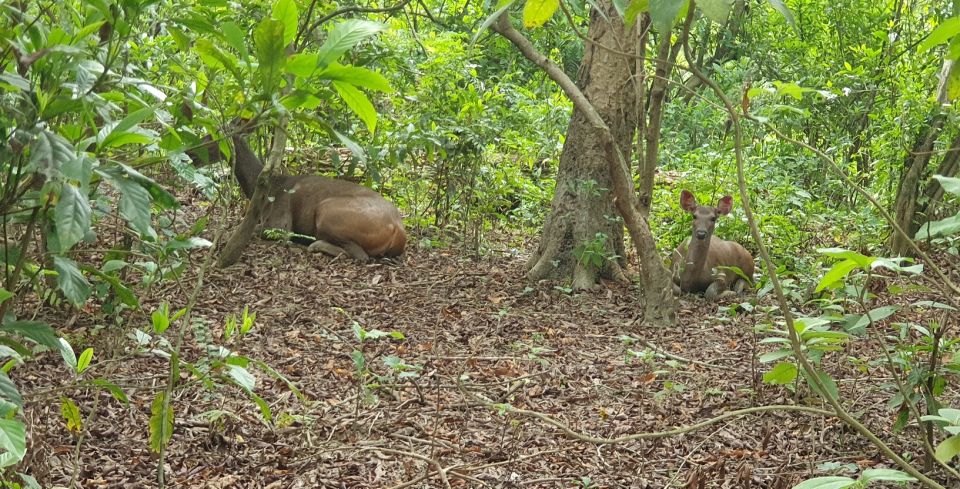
[341, 217]
[698, 260]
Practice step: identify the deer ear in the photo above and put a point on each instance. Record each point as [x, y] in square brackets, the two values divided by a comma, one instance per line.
[724, 205]
[687, 201]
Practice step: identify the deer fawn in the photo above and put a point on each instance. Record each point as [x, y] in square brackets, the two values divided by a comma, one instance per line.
[696, 260]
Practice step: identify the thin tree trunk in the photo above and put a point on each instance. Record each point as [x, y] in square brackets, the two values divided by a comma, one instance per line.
[906, 201]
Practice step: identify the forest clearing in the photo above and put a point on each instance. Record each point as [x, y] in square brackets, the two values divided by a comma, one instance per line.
[535, 243]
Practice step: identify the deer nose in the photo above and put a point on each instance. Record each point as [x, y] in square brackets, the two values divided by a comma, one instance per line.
[701, 234]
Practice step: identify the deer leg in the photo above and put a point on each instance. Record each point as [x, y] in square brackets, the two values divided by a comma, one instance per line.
[739, 286]
[356, 252]
[320, 246]
[718, 290]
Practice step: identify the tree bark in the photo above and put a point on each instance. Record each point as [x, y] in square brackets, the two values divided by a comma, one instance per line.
[905, 206]
[244, 233]
[659, 303]
[582, 205]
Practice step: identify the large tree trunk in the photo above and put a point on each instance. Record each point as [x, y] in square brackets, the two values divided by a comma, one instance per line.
[582, 204]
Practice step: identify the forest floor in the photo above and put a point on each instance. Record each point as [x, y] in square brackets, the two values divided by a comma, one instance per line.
[475, 332]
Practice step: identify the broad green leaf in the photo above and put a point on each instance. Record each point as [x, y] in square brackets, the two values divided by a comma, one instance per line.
[72, 216]
[785, 11]
[268, 38]
[303, 65]
[4, 295]
[49, 151]
[832, 482]
[67, 353]
[9, 391]
[123, 292]
[113, 389]
[716, 10]
[344, 37]
[538, 12]
[165, 199]
[634, 9]
[84, 361]
[948, 449]
[826, 380]
[13, 442]
[782, 373]
[264, 407]
[354, 75]
[113, 130]
[953, 82]
[358, 103]
[501, 7]
[161, 318]
[242, 377]
[943, 227]
[161, 423]
[352, 145]
[71, 281]
[934, 304]
[885, 475]
[775, 355]
[134, 205]
[285, 11]
[837, 273]
[71, 414]
[216, 59]
[235, 38]
[663, 13]
[949, 184]
[861, 260]
[943, 33]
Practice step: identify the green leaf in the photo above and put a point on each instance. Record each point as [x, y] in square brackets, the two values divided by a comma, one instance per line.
[84, 361]
[161, 423]
[354, 75]
[861, 260]
[358, 103]
[67, 353]
[72, 216]
[270, 49]
[71, 281]
[110, 132]
[165, 199]
[943, 227]
[113, 389]
[716, 10]
[782, 373]
[953, 82]
[775, 355]
[785, 11]
[832, 482]
[826, 380]
[264, 407]
[242, 377]
[344, 37]
[634, 9]
[123, 292]
[4, 295]
[9, 391]
[502, 7]
[71, 414]
[161, 318]
[134, 205]
[538, 12]
[37, 331]
[303, 65]
[13, 442]
[235, 38]
[214, 58]
[49, 151]
[285, 11]
[885, 475]
[943, 33]
[838, 272]
[948, 449]
[664, 12]
[950, 184]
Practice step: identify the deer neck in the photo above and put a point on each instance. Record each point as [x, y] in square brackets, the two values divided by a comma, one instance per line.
[696, 260]
[247, 166]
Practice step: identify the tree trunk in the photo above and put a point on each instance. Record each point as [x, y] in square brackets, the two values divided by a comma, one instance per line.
[582, 204]
[905, 206]
[244, 233]
[659, 303]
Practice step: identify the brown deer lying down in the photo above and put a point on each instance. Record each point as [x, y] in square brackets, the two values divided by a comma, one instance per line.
[343, 217]
[696, 258]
